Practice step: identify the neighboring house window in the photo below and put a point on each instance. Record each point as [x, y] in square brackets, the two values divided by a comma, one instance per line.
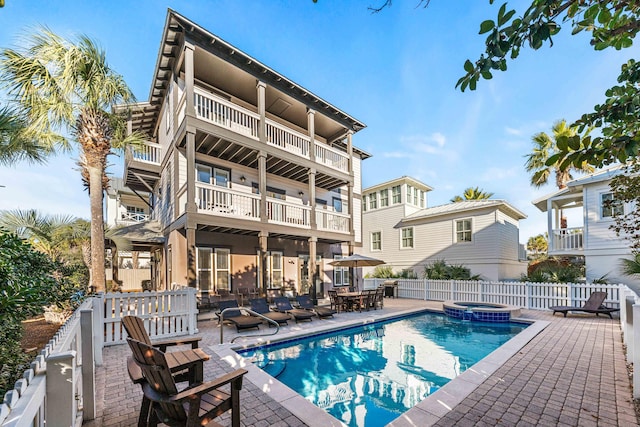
[373, 200]
[463, 230]
[610, 206]
[337, 204]
[406, 238]
[396, 194]
[409, 194]
[384, 198]
[422, 199]
[415, 196]
[340, 274]
[134, 213]
[364, 203]
[223, 270]
[376, 241]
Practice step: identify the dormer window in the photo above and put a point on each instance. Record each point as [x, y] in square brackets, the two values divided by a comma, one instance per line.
[396, 194]
[384, 198]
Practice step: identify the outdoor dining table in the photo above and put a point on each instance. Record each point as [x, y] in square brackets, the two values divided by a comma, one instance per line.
[353, 297]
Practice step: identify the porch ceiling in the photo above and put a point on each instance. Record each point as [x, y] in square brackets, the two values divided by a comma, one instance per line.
[244, 232]
[236, 153]
[141, 179]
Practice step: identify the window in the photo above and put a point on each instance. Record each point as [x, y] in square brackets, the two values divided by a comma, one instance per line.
[384, 198]
[274, 193]
[364, 203]
[203, 173]
[209, 175]
[221, 177]
[409, 194]
[376, 241]
[415, 196]
[134, 213]
[422, 199]
[337, 204]
[223, 270]
[275, 270]
[203, 268]
[609, 206]
[463, 230]
[373, 200]
[406, 238]
[396, 194]
[169, 266]
[340, 274]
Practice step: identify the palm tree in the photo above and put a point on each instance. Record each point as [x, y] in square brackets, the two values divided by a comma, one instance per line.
[631, 267]
[15, 145]
[472, 194]
[538, 245]
[67, 88]
[545, 146]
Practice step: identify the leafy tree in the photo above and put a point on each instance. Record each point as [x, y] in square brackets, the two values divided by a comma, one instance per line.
[65, 87]
[554, 270]
[472, 194]
[538, 245]
[15, 144]
[612, 23]
[544, 148]
[626, 190]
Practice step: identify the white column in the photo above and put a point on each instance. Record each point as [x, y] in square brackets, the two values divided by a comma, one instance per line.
[636, 351]
[62, 406]
[88, 366]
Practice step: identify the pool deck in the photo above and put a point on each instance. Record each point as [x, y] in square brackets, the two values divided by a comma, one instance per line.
[570, 372]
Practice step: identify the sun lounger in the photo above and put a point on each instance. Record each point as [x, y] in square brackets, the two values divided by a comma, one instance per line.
[236, 317]
[283, 305]
[259, 305]
[305, 303]
[593, 305]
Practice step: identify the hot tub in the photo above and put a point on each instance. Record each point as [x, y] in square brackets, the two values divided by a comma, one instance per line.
[481, 311]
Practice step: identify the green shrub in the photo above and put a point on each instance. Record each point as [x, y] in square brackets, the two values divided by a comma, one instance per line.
[554, 270]
[440, 270]
[13, 361]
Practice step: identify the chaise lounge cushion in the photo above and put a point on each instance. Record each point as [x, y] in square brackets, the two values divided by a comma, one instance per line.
[236, 317]
[283, 305]
[593, 305]
[259, 305]
[305, 303]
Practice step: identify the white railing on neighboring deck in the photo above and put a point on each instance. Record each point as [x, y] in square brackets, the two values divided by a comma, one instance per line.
[332, 221]
[147, 152]
[567, 239]
[331, 157]
[59, 387]
[630, 324]
[227, 202]
[281, 212]
[165, 314]
[534, 296]
[133, 217]
[225, 114]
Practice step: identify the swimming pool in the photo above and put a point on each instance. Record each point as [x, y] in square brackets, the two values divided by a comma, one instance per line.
[369, 375]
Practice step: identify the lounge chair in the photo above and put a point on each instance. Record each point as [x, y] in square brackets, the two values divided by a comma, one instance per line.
[305, 303]
[193, 406]
[260, 306]
[593, 305]
[283, 305]
[236, 317]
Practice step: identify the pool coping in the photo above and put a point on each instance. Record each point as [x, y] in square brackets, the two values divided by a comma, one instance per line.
[425, 413]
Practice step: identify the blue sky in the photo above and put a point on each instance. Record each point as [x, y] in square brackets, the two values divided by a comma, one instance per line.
[395, 71]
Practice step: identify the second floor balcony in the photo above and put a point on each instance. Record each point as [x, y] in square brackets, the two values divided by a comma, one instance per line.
[566, 241]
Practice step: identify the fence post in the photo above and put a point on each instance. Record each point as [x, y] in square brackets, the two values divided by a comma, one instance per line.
[88, 365]
[98, 327]
[425, 282]
[452, 285]
[636, 353]
[61, 408]
[627, 327]
[193, 311]
[528, 294]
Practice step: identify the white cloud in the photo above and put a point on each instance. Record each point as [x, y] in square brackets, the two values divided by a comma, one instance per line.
[396, 154]
[495, 174]
[513, 131]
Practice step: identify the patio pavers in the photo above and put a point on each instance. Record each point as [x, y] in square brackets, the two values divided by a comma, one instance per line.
[573, 373]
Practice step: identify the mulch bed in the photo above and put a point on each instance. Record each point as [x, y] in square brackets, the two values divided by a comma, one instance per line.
[36, 333]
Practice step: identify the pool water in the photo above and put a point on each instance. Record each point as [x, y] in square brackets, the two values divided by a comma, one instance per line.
[369, 375]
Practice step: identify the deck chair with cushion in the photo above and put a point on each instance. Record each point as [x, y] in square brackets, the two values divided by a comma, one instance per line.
[196, 405]
[304, 301]
[236, 317]
[260, 306]
[136, 330]
[283, 305]
[593, 305]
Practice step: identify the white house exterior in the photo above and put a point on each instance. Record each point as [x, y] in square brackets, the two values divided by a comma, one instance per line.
[591, 237]
[254, 180]
[401, 230]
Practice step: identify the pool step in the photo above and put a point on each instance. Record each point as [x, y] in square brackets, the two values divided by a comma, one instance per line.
[274, 367]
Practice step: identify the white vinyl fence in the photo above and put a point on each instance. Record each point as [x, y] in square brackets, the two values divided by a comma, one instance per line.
[534, 296]
[59, 387]
[630, 323]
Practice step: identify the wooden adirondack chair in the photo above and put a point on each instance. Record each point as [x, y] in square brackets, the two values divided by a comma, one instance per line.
[194, 406]
[136, 330]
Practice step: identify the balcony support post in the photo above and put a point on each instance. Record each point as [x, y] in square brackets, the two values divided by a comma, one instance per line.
[262, 185]
[350, 152]
[262, 125]
[190, 205]
[189, 81]
[311, 125]
[262, 273]
[312, 198]
[350, 207]
[313, 276]
[191, 256]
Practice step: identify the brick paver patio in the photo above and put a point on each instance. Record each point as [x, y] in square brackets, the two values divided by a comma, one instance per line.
[571, 374]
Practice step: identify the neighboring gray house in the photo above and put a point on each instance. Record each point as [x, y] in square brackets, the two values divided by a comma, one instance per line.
[592, 237]
[400, 229]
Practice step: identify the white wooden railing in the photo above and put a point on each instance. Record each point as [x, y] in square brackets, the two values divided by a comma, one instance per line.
[219, 111]
[281, 212]
[227, 202]
[630, 324]
[332, 221]
[567, 239]
[133, 217]
[147, 152]
[534, 296]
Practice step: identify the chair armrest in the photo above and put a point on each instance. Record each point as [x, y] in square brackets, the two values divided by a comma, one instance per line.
[234, 377]
[163, 344]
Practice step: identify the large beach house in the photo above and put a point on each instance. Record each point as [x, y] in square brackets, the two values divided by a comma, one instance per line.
[591, 197]
[254, 181]
[400, 229]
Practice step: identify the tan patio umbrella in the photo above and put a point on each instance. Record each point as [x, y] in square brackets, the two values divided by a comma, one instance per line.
[355, 261]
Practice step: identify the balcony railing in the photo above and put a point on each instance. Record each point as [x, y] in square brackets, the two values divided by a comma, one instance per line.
[132, 217]
[226, 202]
[567, 239]
[147, 152]
[281, 212]
[332, 221]
[223, 113]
